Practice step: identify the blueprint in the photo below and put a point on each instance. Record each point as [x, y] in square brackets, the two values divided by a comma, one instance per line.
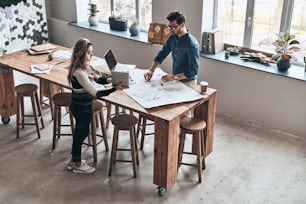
[158, 93]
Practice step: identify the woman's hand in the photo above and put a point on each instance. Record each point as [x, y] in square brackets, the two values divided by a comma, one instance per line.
[109, 80]
[119, 86]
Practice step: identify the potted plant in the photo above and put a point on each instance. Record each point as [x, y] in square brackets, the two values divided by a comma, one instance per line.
[134, 28]
[117, 23]
[92, 19]
[286, 45]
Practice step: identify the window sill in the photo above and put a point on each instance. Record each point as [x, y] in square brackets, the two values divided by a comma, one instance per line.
[294, 72]
[104, 28]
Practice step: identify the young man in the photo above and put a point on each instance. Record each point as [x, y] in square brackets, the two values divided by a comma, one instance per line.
[184, 49]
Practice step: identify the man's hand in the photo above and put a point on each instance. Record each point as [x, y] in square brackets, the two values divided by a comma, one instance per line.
[148, 75]
[171, 77]
[168, 77]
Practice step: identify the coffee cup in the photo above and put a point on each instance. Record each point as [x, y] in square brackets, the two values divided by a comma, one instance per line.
[204, 85]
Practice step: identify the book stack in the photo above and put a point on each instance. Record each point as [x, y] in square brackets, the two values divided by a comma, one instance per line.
[212, 42]
[41, 49]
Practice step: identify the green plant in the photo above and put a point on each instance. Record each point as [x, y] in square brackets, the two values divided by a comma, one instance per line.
[286, 44]
[135, 21]
[93, 9]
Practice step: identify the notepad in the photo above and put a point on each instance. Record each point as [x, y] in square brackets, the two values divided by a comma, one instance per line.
[41, 67]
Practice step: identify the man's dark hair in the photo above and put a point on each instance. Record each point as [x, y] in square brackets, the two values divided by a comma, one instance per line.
[176, 16]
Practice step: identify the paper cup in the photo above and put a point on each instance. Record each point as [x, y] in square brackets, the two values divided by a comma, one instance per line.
[204, 86]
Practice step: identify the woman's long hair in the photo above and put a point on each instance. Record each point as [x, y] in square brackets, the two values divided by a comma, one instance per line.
[78, 56]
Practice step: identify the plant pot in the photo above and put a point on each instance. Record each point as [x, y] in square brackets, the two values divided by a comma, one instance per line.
[283, 64]
[134, 30]
[117, 23]
[93, 20]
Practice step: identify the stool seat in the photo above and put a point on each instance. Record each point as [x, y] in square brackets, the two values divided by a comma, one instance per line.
[110, 115]
[192, 124]
[48, 90]
[196, 127]
[62, 99]
[28, 90]
[125, 122]
[96, 105]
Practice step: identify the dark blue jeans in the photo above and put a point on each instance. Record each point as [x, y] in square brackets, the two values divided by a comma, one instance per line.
[82, 114]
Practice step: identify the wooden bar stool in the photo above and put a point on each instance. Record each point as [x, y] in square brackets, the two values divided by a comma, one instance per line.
[109, 114]
[97, 113]
[60, 100]
[142, 128]
[28, 90]
[195, 127]
[125, 122]
[48, 90]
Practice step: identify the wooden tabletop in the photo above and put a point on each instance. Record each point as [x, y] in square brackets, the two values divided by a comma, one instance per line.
[21, 61]
[167, 112]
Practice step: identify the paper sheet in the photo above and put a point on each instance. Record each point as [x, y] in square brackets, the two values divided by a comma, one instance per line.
[65, 54]
[158, 93]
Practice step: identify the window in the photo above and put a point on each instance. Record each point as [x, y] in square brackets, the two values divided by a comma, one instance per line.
[253, 23]
[139, 11]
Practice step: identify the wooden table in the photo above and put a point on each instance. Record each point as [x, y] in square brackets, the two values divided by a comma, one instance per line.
[166, 118]
[21, 61]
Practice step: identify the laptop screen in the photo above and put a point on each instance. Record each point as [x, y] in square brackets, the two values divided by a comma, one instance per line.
[110, 60]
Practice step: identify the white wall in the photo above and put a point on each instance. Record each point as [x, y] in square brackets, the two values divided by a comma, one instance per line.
[266, 99]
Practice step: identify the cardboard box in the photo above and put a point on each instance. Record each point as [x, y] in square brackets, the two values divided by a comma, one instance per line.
[158, 33]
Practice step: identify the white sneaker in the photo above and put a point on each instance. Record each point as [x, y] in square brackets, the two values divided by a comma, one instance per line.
[71, 164]
[84, 168]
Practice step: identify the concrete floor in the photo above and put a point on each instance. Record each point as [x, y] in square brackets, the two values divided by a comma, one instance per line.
[249, 164]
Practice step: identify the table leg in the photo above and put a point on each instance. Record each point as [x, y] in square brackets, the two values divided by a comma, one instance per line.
[7, 94]
[165, 153]
[207, 111]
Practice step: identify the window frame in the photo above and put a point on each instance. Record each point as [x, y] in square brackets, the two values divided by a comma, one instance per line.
[137, 11]
[285, 23]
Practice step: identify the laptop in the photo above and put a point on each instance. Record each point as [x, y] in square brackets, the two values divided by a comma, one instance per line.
[119, 73]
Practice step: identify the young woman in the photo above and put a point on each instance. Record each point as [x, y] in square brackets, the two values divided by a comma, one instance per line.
[85, 88]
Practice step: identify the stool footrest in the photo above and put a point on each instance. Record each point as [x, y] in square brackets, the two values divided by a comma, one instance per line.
[190, 153]
[122, 160]
[98, 142]
[65, 125]
[64, 134]
[188, 164]
[27, 124]
[122, 149]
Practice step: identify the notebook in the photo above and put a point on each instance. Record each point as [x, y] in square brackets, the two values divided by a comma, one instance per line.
[119, 71]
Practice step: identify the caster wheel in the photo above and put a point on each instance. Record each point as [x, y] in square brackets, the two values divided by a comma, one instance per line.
[161, 191]
[5, 120]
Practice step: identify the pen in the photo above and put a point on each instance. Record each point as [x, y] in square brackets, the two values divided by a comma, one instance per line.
[63, 61]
